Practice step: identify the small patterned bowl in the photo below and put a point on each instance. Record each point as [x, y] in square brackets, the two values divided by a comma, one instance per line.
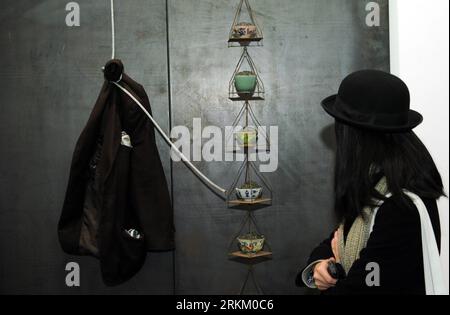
[249, 194]
[244, 31]
[251, 243]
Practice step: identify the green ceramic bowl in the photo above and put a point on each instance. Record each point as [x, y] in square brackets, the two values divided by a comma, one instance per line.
[248, 136]
[245, 83]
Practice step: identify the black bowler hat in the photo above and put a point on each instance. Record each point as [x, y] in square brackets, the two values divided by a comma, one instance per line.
[373, 100]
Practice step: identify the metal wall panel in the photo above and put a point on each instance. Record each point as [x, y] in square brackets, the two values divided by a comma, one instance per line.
[50, 80]
[51, 77]
[309, 46]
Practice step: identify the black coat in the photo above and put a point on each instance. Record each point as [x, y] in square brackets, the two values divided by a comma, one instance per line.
[395, 244]
[115, 188]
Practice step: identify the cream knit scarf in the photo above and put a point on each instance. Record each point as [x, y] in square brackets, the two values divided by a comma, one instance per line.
[350, 249]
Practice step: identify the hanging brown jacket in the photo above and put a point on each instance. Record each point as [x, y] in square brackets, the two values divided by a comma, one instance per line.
[117, 205]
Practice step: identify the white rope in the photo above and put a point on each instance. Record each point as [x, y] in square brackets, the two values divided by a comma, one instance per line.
[169, 142]
[161, 132]
[113, 32]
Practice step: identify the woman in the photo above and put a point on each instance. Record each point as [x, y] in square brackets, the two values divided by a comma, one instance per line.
[381, 164]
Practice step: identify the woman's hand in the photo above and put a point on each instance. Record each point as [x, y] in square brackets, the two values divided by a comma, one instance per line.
[335, 247]
[322, 278]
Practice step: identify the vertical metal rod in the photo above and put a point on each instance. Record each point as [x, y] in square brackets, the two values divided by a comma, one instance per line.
[169, 89]
[244, 285]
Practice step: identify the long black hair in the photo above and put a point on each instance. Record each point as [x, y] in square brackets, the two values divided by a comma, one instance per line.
[364, 157]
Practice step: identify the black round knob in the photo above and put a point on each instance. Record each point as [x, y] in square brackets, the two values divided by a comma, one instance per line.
[113, 70]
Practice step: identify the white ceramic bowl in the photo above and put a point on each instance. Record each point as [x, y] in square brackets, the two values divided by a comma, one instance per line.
[249, 194]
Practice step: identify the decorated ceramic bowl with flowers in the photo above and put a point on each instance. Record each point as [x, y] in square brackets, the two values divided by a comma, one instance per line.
[244, 30]
[251, 243]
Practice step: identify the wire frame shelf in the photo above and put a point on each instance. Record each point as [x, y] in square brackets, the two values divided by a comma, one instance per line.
[256, 94]
[250, 188]
[249, 226]
[245, 34]
[248, 135]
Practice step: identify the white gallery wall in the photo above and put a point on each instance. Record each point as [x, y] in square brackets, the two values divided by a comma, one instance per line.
[420, 56]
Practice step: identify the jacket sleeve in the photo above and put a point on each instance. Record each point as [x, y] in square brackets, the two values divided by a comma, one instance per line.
[321, 252]
[392, 262]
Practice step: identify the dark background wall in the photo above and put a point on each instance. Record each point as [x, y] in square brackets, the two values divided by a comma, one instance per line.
[50, 80]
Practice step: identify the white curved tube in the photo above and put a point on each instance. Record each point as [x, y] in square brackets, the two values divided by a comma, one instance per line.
[169, 142]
